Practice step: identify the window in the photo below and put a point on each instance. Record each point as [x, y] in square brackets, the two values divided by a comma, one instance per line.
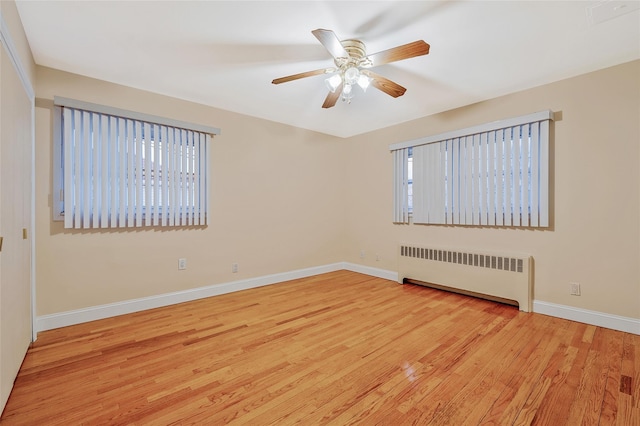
[122, 169]
[496, 175]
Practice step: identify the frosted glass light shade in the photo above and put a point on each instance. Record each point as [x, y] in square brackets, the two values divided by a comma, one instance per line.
[333, 82]
[363, 82]
[351, 75]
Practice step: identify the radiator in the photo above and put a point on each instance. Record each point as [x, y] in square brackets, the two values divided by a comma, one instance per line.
[503, 277]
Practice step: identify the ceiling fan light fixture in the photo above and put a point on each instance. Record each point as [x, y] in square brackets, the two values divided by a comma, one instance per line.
[363, 82]
[347, 93]
[333, 82]
[351, 75]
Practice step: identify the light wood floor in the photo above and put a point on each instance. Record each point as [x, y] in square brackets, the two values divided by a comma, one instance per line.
[339, 348]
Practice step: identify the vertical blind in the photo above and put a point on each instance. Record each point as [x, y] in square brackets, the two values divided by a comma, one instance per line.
[123, 172]
[400, 185]
[496, 175]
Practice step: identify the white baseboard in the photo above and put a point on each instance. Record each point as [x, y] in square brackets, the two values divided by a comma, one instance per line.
[78, 316]
[601, 319]
[374, 272]
[63, 319]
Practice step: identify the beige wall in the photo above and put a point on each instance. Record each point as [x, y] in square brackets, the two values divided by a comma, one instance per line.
[276, 207]
[595, 238]
[285, 198]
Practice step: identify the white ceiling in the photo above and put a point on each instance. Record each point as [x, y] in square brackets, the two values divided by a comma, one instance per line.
[225, 53]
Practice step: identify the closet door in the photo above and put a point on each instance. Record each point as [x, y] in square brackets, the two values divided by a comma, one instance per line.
[15, 205]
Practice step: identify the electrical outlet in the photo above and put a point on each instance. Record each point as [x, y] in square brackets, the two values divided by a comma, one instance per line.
[361, 254]
[182, 264]
[234, 267]
[574, 289]
[377, 257]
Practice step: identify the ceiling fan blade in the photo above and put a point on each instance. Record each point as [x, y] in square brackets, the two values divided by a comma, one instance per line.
[331, 42]
[302, 75]
[406, 51]
[332, 97]
[384, 84]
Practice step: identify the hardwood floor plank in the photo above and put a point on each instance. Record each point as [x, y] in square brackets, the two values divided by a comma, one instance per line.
[609, 409]
[339, 348]
[530, 355]
[483, 376]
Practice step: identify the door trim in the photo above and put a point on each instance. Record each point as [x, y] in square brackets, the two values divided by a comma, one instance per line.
[7, 41]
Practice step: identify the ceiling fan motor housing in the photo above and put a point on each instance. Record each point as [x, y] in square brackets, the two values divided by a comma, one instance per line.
[355, 48]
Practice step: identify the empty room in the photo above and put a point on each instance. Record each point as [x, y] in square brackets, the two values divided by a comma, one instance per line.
[319, 212]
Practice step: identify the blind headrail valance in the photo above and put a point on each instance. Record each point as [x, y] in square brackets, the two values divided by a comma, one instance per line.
[102, 109]
[487, 127]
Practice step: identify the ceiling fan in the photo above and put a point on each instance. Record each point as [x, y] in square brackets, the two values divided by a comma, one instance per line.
[352, 66]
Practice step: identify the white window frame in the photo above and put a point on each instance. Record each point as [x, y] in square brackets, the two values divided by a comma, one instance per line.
[184, 200]
[458, 179]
